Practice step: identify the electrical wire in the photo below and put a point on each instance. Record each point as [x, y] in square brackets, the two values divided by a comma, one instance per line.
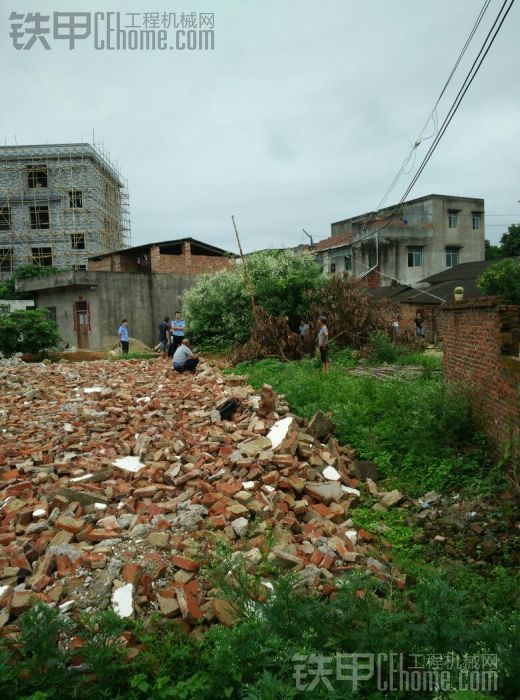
[477, 63]
[433, 113]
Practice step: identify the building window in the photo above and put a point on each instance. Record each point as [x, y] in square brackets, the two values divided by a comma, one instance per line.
[79, 267]
[333, 267]
[348, 263]
[452, 219]
[37, 176]
[75, 199]
[415, 256]
[77, 241]
[51, 313]
[42, 256]
[475, 221]
[372, 259]
[6, 260]
[40, 217]
[452, 257]
[5, 219]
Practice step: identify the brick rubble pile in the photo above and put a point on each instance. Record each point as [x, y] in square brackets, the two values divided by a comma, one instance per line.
[116, 478]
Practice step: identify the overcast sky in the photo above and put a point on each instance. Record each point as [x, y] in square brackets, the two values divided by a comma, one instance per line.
[300, 116]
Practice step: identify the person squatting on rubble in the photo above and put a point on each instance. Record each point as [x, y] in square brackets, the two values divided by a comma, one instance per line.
[184, 360]
[176, 332]
[123, 337]
[323, 344]
[164, 336]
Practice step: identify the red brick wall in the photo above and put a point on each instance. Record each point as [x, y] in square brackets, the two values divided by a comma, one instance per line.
[481, 342]
[185, 263]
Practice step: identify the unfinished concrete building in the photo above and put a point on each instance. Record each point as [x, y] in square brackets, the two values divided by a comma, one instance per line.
[59, 205]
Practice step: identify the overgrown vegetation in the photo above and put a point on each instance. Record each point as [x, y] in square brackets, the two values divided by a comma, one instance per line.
[29, 331]
[502, 279]
[419, 432]
[8, 287]
[272, 651]
[218, 309]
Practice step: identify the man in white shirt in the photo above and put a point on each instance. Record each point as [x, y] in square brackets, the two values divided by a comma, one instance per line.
[184, 360]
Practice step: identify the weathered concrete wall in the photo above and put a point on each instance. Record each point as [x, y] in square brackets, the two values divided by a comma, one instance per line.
[144, 299]
[481, 343]
[427, 227]
[17, 304]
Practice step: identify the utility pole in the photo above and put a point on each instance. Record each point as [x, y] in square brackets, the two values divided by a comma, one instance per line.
[246, 271]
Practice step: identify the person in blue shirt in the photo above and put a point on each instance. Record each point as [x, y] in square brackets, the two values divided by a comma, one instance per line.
[123, 337]
[184, 360]
[177, 332]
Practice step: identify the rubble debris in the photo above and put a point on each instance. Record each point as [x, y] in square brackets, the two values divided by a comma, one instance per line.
[117, 510]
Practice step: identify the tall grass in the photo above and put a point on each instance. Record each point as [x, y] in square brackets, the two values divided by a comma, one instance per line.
[418, 431]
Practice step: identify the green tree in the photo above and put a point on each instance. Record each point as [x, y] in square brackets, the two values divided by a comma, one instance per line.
[27, 331]
[218, 309]
[510, 242]
[493, 252]
[502, 279]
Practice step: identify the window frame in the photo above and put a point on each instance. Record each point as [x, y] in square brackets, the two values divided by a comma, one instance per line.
[5, 218]
[452, 251]
[37, 177]
[41, 258]
[413, 250]
[35, 214]
[75, 239]
[6, 254]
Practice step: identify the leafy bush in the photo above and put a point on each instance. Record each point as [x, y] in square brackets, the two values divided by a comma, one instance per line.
[218, 308]
[27, 332]
[8, 288]
[502, 279]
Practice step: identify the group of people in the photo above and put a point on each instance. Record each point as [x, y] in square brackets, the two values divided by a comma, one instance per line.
[174, 344]
[322, 340]
[172, 340]
[419, 325]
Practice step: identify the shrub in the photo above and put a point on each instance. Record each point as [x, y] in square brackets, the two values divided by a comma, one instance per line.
[502, 279]
[8, 288]
[218, 309]
[27, 332]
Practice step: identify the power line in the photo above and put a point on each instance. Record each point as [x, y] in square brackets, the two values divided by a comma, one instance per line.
[433, 113]
[477, 63]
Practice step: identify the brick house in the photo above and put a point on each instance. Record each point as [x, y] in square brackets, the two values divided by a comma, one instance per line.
[142, 284]
[183, 256]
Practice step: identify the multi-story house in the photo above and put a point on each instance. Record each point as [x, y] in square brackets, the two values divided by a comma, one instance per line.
[59, 205]
[408, 242]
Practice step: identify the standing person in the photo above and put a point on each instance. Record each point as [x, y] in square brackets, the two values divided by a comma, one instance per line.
[395, 327]
[184, 360]
[164, 336]
[303, 329]
[419, 325]
[177, 332]
[323, 344]
[123, 337]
